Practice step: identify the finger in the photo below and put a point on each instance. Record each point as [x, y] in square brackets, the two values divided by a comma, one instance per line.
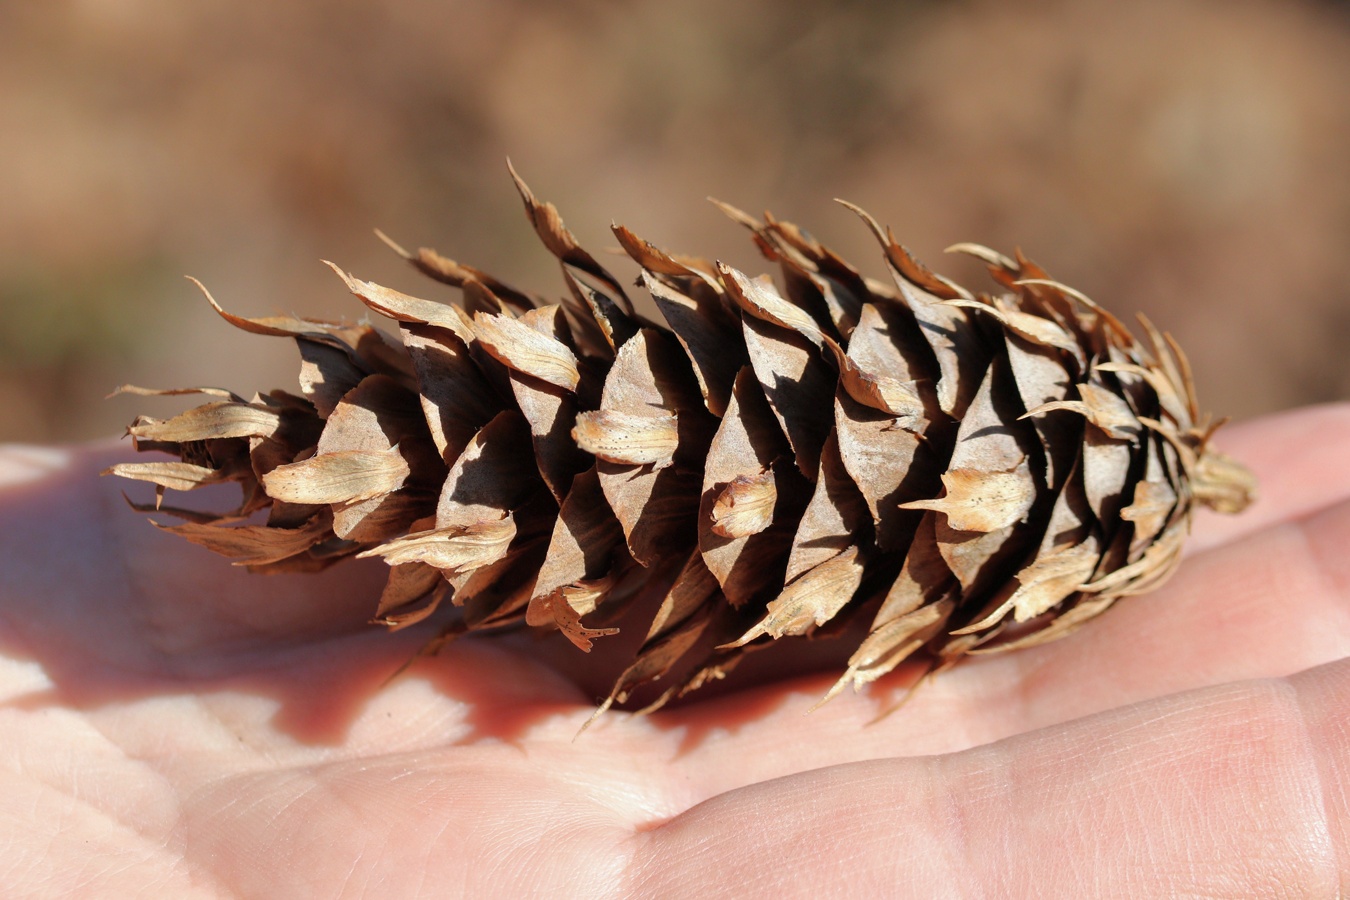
[1298, 458]
[1216, 792]
[1324, 698]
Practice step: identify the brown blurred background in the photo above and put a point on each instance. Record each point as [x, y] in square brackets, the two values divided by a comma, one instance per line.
[1184, 158]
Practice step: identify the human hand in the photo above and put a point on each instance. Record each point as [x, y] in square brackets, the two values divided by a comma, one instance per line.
[171, 726]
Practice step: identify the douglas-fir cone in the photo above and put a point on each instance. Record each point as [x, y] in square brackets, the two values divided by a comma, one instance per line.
[968, 473]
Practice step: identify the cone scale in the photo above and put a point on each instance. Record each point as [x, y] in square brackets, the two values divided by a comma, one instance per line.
[950, 472]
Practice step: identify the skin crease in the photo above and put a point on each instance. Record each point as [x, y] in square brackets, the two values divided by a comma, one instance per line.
[175, 727]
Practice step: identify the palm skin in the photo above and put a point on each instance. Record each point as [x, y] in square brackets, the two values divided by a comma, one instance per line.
[175, 727]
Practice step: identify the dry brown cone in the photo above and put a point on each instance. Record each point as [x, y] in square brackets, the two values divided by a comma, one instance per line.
[970, 473]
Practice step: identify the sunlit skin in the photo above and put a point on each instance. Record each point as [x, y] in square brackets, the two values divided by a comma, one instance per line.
[172, 727]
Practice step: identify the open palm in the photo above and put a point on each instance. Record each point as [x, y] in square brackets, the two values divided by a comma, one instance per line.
[171, 726]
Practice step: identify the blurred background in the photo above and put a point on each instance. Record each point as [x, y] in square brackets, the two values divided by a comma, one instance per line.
[1183, 158]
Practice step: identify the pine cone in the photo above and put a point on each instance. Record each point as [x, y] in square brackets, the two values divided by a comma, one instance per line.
[971, 473]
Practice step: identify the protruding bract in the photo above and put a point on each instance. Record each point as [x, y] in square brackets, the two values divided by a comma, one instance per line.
[527, 350]
[953, 472]
[745, 506]
[344, 476]
[981, 501]
[811, 600]
[623, 438]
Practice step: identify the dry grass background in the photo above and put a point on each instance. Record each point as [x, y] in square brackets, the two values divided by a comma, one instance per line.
[1186, 158]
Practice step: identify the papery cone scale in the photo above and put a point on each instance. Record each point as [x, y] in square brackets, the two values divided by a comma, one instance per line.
[961, 472]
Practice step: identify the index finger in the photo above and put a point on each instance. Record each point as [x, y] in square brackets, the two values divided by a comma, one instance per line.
[1301, 459]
